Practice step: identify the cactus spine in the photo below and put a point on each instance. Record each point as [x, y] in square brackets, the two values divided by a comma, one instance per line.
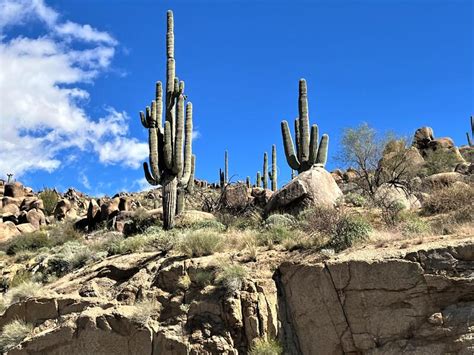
[273, 174]
[265, 171]
[259, 180]
[469, 140]
[170, 166]
[308, 152]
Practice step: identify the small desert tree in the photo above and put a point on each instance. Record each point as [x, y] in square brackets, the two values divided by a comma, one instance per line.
[378, 159]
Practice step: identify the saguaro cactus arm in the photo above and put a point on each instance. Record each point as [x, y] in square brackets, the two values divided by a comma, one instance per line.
[290, 154]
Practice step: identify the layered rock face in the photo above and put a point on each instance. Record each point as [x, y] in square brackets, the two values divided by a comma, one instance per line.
[417, 302]
[420, 303]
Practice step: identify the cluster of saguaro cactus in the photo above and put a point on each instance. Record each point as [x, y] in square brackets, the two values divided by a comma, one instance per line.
[308, 151]
[170, 165]
[469, 140]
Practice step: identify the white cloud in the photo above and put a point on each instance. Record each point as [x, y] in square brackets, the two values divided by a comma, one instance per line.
[84, 180]
[196, 135]
[41, 111]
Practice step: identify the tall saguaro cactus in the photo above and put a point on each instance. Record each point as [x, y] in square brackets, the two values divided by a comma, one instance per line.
[265, 171]
[226, 167]
[308, 151]
[170, 145]
[469, 140]
[273, 174]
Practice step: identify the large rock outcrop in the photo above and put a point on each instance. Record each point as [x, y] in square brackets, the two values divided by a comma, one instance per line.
[420, 301]
[314, 187]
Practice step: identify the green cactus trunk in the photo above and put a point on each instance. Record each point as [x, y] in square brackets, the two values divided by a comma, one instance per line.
[273, 174]
[265, 171]
[248, 183]
[226, 166]
[259, 180]
[469, 140]
[308, 151]
[170, 144]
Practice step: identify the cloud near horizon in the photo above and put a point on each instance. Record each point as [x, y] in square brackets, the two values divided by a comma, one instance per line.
[42, 106]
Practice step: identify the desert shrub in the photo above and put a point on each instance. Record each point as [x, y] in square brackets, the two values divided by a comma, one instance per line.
[68, 257]
[3, 305]
[439, 161]
[247, 220]
[24, 291]
[355, 199]
[50, 199]
[143, 311]
[453, 198]
[141, 221]
[19, 278]
[348, 230]
[200, 243]
[28, 242]
[274, 235]
[391, 211]
[13, 334]
[231, 277]
[208, 224]
[280, 220]
[203, 278]
[335, 229]
[412, 224]
[264, 346]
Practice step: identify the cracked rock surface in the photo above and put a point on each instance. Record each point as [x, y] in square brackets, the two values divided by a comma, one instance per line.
[417, 301]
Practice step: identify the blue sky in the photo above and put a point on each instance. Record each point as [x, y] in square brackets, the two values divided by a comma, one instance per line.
[76, 73]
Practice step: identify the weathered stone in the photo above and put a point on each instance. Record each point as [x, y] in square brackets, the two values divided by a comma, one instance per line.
[62, 208]
[36, 218]
[443, 179]
[236, 196]
[8, 230]
[93, 214]
[388, 194]
[314, 187]
[109, 209]
[26, 228]
[14, 189]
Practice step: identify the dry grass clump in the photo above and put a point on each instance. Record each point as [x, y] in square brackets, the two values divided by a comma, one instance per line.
[23, 292]
[454, 198]
[231, 277]
[264, 346]
[13, 334]
[201, 243]
[143, 311]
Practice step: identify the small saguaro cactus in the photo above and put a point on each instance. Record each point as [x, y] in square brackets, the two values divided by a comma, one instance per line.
[273, 174]
[226, 167]
[191, 182]
[293, 175]
[259, 180]
[308, 151]
[170, 165]
[221, 179]
[265, 171]
[9, 178]
[469, 139]
[248, 183]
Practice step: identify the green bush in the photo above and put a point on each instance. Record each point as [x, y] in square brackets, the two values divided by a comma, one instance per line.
[20, 277]
[200, 243]
[203, 278]
[68, 257]
[143, 311]
[439, 161]
[50, 199]
[348, 230]
[274, 235]
[355, 199]
[266, 347]
[280, 220]
[13, 334]
[231, 277]
[412, 224]
[208, 224]
[28, 242]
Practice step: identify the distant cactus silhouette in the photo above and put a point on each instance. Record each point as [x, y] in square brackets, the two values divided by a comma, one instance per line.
[273, 174]
[259, 180]
[469, 140]
[308, 152]
[170, 166]
[247, 182]
[9, 178]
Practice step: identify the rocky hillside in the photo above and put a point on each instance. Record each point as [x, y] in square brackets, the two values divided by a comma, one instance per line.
[375, 301]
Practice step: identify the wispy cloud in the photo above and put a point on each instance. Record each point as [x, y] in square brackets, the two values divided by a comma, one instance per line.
[41, 106]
